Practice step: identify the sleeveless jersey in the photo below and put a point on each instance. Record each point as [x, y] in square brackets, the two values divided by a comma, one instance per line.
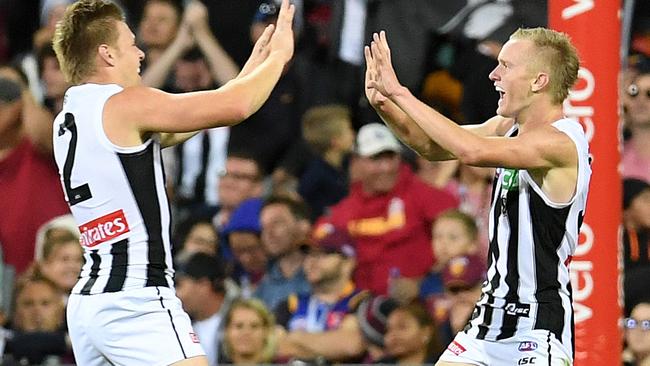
[116, 195]
[532, 240]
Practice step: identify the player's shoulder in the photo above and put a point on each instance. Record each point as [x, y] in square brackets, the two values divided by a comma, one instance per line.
[495, 126]
[134, 94]
[135, 102]
[571, 127]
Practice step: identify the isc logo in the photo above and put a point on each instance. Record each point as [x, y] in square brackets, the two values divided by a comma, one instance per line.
[526, 361]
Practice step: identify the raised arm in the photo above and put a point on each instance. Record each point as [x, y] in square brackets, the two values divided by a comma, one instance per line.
[156, 74]
[405, 128]
[139, 110]
[37, 120]
[539, 148]
[260, 52]
[399, 122]
[222, 66]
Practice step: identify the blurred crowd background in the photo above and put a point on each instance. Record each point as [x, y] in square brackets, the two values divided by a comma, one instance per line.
[307, 233]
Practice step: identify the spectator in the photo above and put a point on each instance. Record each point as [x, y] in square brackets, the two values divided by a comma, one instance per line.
[244, 238]
[207, 56]
[248, 337]
[411, 336]
[285, 228]
[439, 174]
[463, 278]
[470, 185]
[52, 12]
[636, 222]
[361, 333]
[25, 158]
[636, 105]
[195, 164]
[328, 267]
[637, 335]
[31, 317]
[38, 327]
[473, 188]
[241, 180]
[636, 150]
[230, 21]
[201, 237]
[200, 286]
[57, 228]
[158, 27]
[328, 132]
[62, 261]
[388, 213]
[454, 234]
[282, 111]
[636, 240]
[342, 81]
[52, 78]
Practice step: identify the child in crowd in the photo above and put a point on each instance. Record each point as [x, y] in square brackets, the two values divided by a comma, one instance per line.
[328, 132]
[455, 233]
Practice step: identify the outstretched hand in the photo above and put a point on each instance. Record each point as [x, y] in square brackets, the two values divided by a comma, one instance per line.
[282, 38]
[375, 98]
[380, 74]
[260, 51]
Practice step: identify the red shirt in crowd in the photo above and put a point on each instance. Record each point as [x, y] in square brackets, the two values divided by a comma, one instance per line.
[30, 195]
[391, 229]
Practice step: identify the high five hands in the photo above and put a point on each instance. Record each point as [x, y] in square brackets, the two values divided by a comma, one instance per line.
[381, 80]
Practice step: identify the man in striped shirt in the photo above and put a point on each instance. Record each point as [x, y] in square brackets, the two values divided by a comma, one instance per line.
[524, 315]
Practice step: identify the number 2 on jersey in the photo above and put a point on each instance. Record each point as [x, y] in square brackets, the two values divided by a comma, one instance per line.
[80, 193]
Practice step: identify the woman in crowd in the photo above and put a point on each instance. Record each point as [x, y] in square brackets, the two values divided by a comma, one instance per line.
[249, 334]
[637, 335]
[411, 337]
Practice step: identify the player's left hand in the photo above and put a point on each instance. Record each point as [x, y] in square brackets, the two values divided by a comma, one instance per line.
[260, 51]
[282, 41]
[375, 98]
[386, 81]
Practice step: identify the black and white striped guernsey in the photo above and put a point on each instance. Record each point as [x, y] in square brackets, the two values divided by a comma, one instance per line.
[532, 240]
[117, 196]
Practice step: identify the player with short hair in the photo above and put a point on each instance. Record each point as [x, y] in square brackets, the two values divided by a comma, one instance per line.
[539, 198]
[107, 142]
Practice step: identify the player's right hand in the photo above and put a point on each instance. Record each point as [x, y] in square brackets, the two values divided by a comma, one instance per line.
[282, 39]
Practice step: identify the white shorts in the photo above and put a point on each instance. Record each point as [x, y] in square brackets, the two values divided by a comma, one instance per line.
[145, 326]
[537, 347]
